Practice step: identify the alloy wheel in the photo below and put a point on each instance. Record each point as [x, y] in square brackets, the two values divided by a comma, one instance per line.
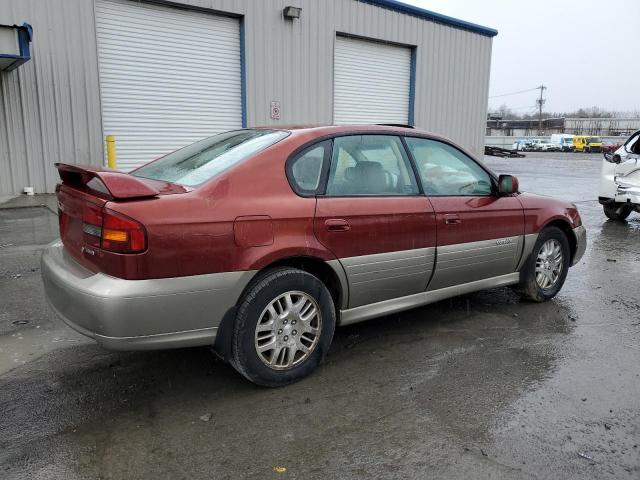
[549, 264]
[288, 330]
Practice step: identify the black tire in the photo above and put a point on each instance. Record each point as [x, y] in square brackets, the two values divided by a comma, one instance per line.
[617, 211]
[266, 288]
[529, 287]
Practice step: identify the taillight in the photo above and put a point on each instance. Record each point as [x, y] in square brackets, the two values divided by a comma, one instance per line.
[122, 234]
[92, 224]
[112, 231]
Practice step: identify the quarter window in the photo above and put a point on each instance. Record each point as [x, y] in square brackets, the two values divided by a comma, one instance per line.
[370, 165]
[446, 171]
[305, 170]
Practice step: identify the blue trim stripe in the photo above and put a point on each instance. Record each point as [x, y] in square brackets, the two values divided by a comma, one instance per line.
[434, 17]
[243, 76]
[412, 87]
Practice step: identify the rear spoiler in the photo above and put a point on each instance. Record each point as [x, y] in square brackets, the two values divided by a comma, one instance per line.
[117, 185]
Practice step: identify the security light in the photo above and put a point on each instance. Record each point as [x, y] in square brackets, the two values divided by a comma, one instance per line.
[291, 12]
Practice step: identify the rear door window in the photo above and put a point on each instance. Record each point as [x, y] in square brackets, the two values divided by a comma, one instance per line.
[370, 165]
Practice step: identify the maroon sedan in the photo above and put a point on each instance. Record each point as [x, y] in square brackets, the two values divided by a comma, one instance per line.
[609, 146]
[260, 242]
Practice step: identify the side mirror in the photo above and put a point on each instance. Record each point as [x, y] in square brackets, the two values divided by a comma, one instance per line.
[507, 184]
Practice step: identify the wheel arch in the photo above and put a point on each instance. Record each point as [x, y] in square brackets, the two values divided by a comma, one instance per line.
[567, 229]
[329, 272]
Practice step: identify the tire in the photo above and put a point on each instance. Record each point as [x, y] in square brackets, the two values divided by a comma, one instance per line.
[617, 211]
[530, 286]
[274, 296]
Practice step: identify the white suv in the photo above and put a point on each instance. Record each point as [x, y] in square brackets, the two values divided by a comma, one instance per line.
[620, 180]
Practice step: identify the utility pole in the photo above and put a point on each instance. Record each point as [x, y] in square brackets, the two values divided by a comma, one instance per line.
[540, 103]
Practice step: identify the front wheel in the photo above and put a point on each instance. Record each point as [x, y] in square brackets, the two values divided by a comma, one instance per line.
[546, 269]
[283, 328]
[617, 211]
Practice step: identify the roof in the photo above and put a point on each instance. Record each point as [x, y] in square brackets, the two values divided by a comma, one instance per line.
[331, 129]
[317, 131]
[433, 16]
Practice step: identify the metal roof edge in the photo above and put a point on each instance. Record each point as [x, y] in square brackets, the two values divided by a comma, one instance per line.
[433, 16]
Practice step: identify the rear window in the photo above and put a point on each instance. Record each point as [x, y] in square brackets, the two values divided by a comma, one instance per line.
[203, 160]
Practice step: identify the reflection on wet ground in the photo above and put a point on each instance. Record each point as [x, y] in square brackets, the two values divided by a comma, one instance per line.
[478, 386]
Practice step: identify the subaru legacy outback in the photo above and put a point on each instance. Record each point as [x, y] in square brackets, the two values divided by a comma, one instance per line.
[259, 242]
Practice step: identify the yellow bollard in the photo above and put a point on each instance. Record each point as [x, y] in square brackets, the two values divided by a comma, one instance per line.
[111, 152]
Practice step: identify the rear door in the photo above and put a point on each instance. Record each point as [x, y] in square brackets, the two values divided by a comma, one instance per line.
[480, 234]
[374, 219]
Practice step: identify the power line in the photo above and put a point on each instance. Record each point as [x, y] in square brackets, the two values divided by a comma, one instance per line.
[514, 93]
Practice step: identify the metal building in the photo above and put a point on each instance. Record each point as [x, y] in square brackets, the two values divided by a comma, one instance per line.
[158, 75]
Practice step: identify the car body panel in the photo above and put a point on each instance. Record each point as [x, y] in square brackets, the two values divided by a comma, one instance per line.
[467, 262]
[479, 236]
[395, 305]
[379, 235]
[139, 314]
[388, 275]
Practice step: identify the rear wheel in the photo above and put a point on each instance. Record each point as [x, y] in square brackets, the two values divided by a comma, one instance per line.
[617, 211]
[546, 269]
[283, 327]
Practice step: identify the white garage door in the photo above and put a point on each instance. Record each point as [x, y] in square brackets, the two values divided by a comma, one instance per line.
[371, 82]
[168, 77]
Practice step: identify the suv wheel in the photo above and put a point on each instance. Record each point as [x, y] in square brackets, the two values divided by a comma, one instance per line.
[546, 269]
[617, 211]
[283, 328]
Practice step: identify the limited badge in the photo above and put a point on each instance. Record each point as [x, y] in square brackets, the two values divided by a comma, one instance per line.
[504, 241]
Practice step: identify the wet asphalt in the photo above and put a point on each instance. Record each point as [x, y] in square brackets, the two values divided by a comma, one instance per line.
[480, 386]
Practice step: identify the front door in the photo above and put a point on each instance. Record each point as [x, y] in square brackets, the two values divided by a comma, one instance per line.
[374, 219]
[480, 234]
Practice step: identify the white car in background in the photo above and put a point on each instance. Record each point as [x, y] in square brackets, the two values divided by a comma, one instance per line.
[620, 180]
[546, 146]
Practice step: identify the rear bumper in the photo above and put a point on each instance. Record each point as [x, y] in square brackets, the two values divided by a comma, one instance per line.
[581, 243]
[139, 314]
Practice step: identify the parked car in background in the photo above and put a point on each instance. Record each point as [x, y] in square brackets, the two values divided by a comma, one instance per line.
[620, 180]
[546, 146]
[564, 141]
[260, 241]
[587, 144]
[610, 146]
[521, 145]
[532, 146]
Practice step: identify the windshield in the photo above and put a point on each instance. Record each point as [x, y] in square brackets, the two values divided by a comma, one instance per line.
[594, 140]
[203, 160]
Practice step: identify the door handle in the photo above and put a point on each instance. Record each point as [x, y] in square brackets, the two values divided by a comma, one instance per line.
[337, 225]
[452, 219]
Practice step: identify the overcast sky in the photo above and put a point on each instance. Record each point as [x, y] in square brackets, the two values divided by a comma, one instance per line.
[587, 52]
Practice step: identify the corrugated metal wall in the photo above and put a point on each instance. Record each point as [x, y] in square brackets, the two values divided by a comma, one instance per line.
[50, 106]
[50, 109]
